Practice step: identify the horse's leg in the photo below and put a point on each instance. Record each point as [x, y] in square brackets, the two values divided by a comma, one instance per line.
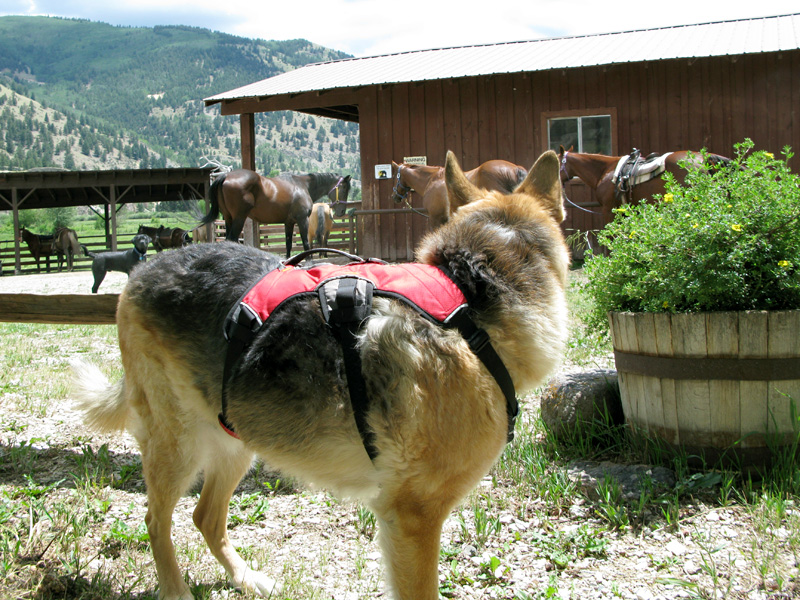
[302, 225]
[233, 229]
[288, 227]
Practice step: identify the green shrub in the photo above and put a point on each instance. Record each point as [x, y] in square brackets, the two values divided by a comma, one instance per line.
[727, 238]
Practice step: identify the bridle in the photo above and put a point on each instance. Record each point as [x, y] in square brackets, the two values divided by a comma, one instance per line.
[400, 192]
[335, 188]
[564, 178]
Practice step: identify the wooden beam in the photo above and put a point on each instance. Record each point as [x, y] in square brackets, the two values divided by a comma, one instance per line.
[69, 309]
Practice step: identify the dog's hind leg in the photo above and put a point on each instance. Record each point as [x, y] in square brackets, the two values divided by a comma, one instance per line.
[410, 533]
[169, 470]
[211, 518]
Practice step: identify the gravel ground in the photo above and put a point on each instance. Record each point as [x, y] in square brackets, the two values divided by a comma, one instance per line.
[713, 551]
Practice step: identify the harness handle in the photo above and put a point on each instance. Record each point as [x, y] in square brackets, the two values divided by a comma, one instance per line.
[291, 262]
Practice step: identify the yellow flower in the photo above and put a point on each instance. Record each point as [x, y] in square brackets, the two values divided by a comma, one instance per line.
[736, 227]
[695, 226]
[666, 304]
[632, 233]
[769, 155]
[783, 263]
[668, 197]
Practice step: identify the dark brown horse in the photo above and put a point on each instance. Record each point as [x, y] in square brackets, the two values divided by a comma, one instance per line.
[286, 199]
[38, 245]
[428, 181]
[598, 172]
[166, 237]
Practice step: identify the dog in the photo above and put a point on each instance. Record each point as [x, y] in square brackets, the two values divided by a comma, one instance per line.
[122, 260]
[438, 417]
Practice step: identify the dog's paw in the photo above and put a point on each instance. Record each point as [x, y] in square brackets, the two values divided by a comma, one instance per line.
[258, 583]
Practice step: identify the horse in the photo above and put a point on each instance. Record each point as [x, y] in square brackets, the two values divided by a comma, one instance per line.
[428, 181]
[200, 234]
[166, 237]
[65, 244]
[639, 181]
[320, 224]
[38, 245]
[287, 199]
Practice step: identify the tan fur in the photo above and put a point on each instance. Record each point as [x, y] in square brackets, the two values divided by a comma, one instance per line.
[439, 416]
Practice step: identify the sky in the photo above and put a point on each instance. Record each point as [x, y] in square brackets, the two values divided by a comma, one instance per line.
[372, 27]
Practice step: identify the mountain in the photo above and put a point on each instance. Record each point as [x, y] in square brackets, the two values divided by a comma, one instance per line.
[85, 95]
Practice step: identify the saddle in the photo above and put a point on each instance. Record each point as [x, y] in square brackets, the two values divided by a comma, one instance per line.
[345, 294]
[633, 170]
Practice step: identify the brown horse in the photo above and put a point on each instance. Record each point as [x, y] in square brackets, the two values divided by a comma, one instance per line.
[38, 245]
[65, 244]
[598, 172]
[286, 199]
[166, 237]
[428, 181]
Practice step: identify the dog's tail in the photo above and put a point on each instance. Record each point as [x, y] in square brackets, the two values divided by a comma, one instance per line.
[86, 251]
[102, 402]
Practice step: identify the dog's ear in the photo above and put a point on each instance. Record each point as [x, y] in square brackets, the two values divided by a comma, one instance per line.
[458, 186]
[543, 183]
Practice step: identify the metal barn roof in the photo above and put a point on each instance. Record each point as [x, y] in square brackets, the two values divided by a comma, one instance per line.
[744, 36]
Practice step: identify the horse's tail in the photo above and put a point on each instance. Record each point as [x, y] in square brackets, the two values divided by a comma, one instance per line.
[103, 403]
[214, 193]
[320, 237]
[86, 251]
[73, 242]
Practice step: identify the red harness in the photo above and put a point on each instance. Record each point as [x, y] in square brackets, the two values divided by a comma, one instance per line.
[424, 287]
[345, 294]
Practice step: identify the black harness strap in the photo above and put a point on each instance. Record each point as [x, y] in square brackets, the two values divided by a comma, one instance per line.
[346, 319]
[481, 346]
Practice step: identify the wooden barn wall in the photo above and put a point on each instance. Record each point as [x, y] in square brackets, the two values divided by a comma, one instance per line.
[660, 106]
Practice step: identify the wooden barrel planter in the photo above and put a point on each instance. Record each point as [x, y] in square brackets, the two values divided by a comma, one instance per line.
[714, 385]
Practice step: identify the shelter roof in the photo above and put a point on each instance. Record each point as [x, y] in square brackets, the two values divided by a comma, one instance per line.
[58, 188]
[722, 38]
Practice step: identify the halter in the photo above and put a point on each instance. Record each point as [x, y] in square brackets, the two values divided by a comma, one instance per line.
[400, 190]
[335, 188]
[567, 178]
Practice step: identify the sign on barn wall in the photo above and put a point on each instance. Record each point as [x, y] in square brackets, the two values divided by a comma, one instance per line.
[415, 160]
[383, 171]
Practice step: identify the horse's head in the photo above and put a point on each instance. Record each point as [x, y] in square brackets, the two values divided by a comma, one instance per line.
[564, 172]
[340, 190]
[400, 190]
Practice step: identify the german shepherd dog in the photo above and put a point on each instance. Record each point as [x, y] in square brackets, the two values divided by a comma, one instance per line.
[438, 416]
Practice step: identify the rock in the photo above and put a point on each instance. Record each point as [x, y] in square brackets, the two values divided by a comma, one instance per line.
[630, 478]
[574, 398]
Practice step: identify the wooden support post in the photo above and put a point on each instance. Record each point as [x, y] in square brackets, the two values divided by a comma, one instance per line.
[247, 124]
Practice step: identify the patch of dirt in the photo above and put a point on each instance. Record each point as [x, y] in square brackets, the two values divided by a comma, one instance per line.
[76, 282]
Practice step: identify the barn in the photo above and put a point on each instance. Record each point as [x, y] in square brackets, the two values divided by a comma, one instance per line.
[706, 85]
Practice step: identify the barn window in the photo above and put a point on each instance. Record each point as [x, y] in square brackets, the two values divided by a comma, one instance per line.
[590, 133]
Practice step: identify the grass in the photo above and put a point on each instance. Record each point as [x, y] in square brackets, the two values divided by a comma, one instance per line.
[72, 508]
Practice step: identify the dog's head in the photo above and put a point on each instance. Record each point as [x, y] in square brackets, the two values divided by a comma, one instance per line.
[541, 187]
[141, 242]
[495, 233]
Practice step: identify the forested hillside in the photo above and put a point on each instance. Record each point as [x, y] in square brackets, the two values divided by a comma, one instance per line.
[83, 95]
